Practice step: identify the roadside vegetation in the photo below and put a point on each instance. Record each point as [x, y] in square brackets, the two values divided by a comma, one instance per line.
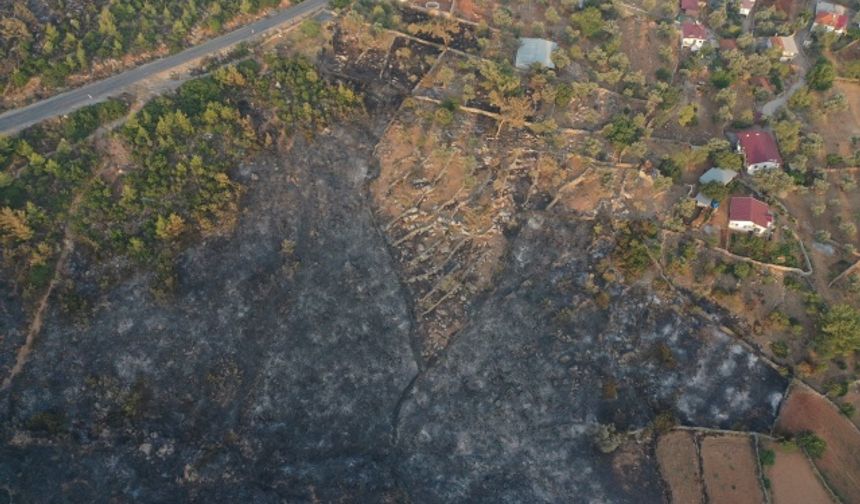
[45, 44]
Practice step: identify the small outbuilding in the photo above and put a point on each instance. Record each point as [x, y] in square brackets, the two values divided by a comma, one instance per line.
[535, 50]
[704, 201]
[720, 175]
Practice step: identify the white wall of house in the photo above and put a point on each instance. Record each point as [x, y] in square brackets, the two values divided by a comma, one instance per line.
[827, 28]
[757, 167]
[743, 12]
[746, 226]
[692, 43]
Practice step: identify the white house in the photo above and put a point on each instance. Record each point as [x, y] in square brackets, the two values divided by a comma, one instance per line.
[787, 45]
[830, 17]
[745, 7]
[759, 150]
[693, 36]
[747, 214]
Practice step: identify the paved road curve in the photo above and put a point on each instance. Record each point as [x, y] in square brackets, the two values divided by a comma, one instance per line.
[18, 119]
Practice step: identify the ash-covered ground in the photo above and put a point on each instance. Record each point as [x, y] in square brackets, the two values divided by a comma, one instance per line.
[511, 412]
[291, 372]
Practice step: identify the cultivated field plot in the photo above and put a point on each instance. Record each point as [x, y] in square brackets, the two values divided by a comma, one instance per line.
[792, 479]
[805, 410]
[679, 466]
[829, 212]
[838, 128]
[730, 470]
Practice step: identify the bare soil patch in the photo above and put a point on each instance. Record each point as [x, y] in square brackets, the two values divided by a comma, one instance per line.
[837, 128]
[679, 465]
[641, 43]
[805, 410]
[792, 478]
[473, 10]
[730, 470]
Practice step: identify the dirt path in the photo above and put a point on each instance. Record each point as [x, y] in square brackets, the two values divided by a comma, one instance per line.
[38, 317]
[769, 108]
[68, 247]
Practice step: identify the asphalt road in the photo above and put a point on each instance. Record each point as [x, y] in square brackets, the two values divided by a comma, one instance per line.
[14, 121]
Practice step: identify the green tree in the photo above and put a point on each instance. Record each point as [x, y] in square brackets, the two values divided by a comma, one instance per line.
[788, 135]
[669, 168]
[687, 115]
[839, 334]
[812, 444]
[589, 21]
[13, 225]
[727, 159]
[623, 131]
[715, 190]
[107, 22]
[820, 77]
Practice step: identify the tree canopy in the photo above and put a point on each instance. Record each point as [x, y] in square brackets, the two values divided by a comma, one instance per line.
[839, 332]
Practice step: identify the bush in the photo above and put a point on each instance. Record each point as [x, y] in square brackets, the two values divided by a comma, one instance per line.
[839, 334]
[812, 444]
[779, 349]
[767, 457]
[820, 77]
[669, 168]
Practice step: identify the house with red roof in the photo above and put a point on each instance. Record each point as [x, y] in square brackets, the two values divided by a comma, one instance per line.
[728, 44]
[830, 21]
[759, 150]
[745, 7]
[787, 46]
[693, 35]
[747, 214]
[830, 17]
[690, 7]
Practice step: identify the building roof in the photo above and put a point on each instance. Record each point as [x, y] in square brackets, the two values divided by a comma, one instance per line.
[747, 208]
[694, 31]
[832, 19]
[690, 5]
[759, 147]
[704, 201]
[747, 4]
[822, 6]
[727, 44]
[718, 175]
[787, 44]
[535, 50]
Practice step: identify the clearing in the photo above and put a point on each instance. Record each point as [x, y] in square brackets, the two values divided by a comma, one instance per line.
[679, 464]
[730, 470]
[805, 410]
[792, 478]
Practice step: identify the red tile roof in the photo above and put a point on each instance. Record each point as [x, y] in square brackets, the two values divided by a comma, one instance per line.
[694, 31]
[832, 19]
[746, 208]
[727, 44]
[759, 147]
[690, 5]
